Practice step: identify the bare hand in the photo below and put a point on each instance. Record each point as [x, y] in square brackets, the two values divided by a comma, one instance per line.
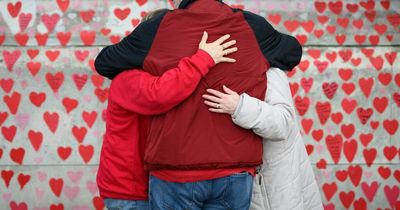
[218, 49]
[222, 102]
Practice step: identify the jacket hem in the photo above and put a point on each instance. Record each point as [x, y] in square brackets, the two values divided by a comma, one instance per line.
[159, 166]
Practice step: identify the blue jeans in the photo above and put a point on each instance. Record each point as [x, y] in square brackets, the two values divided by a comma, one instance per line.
[230, 192]
[114, 204]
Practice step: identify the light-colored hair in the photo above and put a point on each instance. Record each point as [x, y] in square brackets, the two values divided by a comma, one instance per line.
[177, 2]
[153, 13]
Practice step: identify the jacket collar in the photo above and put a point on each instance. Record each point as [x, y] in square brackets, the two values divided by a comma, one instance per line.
[186, 3]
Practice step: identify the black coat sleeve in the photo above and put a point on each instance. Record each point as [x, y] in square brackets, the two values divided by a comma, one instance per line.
[281, 50]
[131, 52]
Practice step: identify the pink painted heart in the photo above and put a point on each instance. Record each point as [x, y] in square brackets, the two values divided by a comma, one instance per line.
[22, 120]
[24, 20]
[50, 21]
[38, 160]
[41, 176]
[75, 176]
[7, 197]
[39, 193]
[10, 58]
[71, 192]
[92, 187]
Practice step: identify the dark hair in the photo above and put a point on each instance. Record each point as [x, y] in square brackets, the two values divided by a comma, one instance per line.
[153, 13]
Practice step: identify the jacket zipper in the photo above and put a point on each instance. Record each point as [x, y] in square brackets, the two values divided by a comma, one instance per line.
[265, 198]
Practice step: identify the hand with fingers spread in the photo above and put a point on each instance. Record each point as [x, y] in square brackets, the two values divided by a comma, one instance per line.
[218, 49]
[224, 103]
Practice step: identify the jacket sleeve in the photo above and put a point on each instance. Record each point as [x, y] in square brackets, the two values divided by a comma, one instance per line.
[281, 50]
[273, 118]
[130, 52]
[142, 93]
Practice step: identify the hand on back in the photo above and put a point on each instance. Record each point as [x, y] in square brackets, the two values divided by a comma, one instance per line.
[219, 49]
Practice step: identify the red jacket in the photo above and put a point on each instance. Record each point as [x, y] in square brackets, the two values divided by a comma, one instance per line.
[121, 174]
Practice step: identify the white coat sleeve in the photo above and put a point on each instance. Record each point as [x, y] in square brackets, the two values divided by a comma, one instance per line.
[273, 118]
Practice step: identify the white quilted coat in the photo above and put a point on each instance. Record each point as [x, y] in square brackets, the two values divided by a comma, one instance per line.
[286, 180]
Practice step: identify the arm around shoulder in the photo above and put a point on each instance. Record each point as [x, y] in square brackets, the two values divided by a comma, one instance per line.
[131, 52]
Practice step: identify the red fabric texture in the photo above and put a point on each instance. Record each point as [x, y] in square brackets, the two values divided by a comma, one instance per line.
[121, 174]
[189, 136]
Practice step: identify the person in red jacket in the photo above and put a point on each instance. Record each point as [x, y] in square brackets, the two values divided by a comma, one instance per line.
[134, 95]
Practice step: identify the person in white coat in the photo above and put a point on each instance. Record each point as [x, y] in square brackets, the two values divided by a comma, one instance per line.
[286, 179]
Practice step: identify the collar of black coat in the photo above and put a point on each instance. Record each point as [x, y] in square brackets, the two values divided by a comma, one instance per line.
[186, 3]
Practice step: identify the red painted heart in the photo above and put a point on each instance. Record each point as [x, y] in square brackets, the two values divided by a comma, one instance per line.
[36, 139]
[56, 186]
[23, 179]
[37, 99]
[323, 110]
[51, 120]
[63, 5]
[329, 190]
[334, 145]
[13, 102]
[17, 155]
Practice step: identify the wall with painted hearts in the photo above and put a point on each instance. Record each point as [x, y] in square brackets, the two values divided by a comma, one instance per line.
[346, 90]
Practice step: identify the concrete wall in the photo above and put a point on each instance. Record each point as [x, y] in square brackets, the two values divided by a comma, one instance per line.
[347, 90]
